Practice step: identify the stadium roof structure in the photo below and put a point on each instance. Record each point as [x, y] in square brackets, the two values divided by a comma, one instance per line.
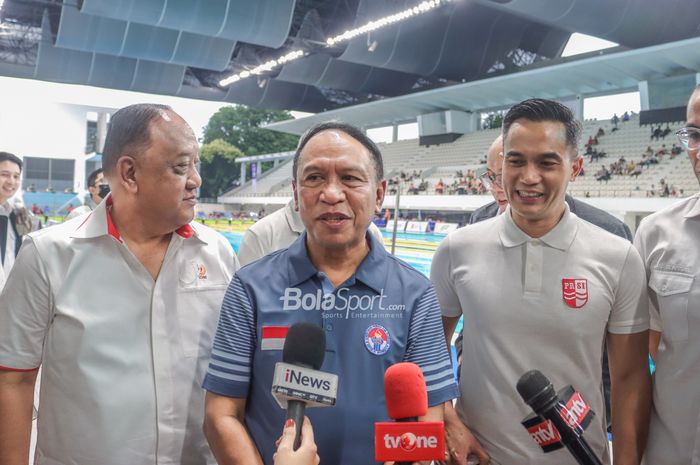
[186, 47]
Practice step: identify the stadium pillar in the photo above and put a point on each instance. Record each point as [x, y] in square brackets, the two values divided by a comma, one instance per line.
[578, 110]
[394, 132]
[244, 166]
[101, 134]
[643, 95]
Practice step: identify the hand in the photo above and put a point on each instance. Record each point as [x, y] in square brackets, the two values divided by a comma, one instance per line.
[305, 455]
[461, 443]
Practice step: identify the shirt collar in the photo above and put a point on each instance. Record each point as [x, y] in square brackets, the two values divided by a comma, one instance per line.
[560, 237]
[372, 270]
[99, 223]
[695, 209]
[293, 218]
[5, 208]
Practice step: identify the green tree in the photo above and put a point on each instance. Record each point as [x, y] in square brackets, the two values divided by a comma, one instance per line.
[240, 126]
[219, 169]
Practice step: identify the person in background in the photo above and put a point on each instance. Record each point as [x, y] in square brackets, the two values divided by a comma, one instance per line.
[668, 243]
[15, 220]
[97, 189]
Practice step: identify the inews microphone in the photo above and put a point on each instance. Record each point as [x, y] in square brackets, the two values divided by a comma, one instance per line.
[407, 440]
[566, 417]
[297, 381]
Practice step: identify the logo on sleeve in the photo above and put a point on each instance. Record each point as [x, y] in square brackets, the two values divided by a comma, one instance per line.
[377, 339]
[575, 292]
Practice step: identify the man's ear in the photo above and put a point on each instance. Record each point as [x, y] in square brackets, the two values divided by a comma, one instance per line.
[296, 195]
[576, 167]
[126, 173]
[381, 190]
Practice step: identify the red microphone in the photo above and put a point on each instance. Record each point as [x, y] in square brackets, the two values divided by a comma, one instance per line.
[407, 440]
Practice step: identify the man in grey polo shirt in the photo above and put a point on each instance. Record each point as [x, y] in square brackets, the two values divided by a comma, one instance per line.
[668, 243]
[541, 289]
[376, 311]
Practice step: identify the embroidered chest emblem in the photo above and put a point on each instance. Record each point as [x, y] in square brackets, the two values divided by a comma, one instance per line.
[574, 292]
[201, 271]
[377, 339]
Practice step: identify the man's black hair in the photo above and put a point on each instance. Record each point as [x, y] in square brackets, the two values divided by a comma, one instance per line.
[537, 110]
[129, 130]
[93, 177]
[7, 156]
[352, 131]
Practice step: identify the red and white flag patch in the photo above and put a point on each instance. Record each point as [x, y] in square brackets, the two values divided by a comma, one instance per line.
[273, 337]
[575, 292]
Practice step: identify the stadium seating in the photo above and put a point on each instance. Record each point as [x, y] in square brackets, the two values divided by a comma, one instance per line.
[441, 162]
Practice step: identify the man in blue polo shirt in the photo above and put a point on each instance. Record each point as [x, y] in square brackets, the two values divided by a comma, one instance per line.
[375, 309]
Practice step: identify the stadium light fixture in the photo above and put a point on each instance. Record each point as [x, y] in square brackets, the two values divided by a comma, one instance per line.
[417, 10]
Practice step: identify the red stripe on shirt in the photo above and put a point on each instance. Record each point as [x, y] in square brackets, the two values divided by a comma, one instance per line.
[275, 332]
[21, 370]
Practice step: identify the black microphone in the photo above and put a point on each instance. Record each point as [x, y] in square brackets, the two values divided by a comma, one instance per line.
[297, 381]
[537, 391]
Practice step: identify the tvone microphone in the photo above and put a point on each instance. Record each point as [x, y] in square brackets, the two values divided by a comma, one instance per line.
[407, 440]
[565, 418]
[297, 381]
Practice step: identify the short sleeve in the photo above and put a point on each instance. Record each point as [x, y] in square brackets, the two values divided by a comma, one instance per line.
[441, 277]
[25, 311]
[231, 358]
[630, 312]
[250, 249]
[426, 348]
[640, 245]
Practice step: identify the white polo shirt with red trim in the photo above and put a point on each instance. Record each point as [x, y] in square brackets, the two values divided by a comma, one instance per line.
[535, 304]
[123, 357]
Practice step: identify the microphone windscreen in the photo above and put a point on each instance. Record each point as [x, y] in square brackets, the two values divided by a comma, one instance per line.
[305, 345]
[405, 392]
[532, 385]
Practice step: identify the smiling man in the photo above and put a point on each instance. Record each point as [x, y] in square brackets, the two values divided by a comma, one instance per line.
[375, 310]
[119, 308]
[540, 288]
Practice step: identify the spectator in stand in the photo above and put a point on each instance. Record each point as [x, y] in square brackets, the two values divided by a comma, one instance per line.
[600, 133]
[667, 131]
[625, 117]
[614, 120]
[439, 187]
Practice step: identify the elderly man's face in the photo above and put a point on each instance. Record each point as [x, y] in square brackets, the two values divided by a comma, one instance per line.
[693, 115]
[494, 165]
[167, 175]
[336, 190]
[10, 175]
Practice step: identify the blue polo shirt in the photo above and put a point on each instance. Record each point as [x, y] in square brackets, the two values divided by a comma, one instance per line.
[386, 313]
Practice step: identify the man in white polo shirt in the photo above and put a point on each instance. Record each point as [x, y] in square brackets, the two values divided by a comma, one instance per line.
[668, 243]
[119, 309]
[541, 289]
